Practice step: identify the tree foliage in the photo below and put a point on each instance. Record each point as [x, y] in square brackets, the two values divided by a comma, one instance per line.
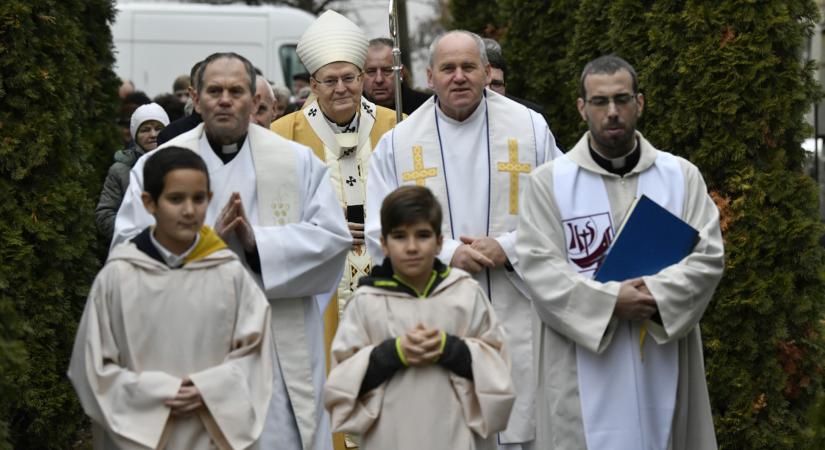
[724, 87]
[57, 109]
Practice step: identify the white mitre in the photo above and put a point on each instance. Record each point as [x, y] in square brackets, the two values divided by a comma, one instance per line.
[332, 38]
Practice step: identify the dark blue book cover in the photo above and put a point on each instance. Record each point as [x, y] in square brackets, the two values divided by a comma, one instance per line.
[651, 239]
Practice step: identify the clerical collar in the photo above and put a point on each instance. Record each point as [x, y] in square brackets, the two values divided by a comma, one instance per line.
[351, 127]
[172, 260]
[226, 152]
[477, 114]
[619, 166]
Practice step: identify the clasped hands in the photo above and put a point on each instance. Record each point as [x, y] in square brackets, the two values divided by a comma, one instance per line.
[233, 219]
[476, 254]
[634, 302]
[421, 345]
[187, 400]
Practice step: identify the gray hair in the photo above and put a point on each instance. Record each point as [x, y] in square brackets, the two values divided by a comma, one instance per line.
[268, 87]
[482, 51]
[494, 54]
[281, 93]
[250, 69]
[381, 42]
[608, 65]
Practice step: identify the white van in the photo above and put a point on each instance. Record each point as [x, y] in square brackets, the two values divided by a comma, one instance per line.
[156, 42]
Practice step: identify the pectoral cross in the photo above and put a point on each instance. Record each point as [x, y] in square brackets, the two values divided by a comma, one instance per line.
[419, 173]
[515, 168]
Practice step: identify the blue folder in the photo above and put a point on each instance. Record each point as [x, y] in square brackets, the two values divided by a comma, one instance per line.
[650, 240]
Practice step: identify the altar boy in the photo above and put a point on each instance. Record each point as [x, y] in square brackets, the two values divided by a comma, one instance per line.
[173, 350]
[419, 359]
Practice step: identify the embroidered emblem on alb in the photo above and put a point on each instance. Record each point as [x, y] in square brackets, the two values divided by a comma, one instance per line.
[588, 239]
[420, 173]
[280, 210]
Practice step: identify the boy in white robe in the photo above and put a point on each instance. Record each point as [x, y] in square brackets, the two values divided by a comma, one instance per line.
[173, 350]
[419, 359]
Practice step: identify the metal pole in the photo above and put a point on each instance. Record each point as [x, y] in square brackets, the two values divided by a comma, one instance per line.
[396, 59]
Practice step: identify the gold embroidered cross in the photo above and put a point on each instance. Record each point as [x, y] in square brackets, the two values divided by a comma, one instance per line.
[515, 168]
[419, 173]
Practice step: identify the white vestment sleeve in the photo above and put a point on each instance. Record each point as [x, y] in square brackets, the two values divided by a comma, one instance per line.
[683, 291]
[546, 148]
[381, 180]
[306, 258]
[448, 249]
[132, 217]
[237, 392]
[507, 241]
[128, 404]
[572, 304]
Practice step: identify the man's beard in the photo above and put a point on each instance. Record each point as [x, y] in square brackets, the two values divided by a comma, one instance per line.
[614, 147]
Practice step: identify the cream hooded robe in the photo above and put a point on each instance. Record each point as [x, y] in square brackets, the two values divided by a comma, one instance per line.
[425, 407]
[147, 326]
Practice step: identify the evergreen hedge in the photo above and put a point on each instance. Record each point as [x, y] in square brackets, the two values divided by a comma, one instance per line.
[58, 98]
[725, 88]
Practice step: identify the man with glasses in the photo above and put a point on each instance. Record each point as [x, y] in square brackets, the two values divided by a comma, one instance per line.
[474, 149]
[620, 363]
[379, 81]
[498, 74]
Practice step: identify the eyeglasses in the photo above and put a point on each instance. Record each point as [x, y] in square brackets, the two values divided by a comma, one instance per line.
[373, 71]
[497, 83]
[332, 82]
[619, 100]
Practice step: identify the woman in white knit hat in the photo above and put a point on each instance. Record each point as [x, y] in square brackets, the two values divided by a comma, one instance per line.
[146, 123]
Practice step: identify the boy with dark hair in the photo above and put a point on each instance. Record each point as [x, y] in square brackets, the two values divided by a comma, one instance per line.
[419, 359]
[173, 350]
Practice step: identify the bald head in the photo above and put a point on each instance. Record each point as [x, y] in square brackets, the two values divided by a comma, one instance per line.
[458, 72]
[265, 113]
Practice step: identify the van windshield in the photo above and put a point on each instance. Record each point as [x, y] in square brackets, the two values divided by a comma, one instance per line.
[290, 63]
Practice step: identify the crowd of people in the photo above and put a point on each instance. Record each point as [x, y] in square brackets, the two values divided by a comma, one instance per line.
[328, 277]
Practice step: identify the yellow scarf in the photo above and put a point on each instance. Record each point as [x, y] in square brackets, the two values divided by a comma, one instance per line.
[208, 243]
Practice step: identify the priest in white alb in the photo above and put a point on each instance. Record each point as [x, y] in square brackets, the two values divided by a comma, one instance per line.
[619, 364]
[474, 149]
[274, 206]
